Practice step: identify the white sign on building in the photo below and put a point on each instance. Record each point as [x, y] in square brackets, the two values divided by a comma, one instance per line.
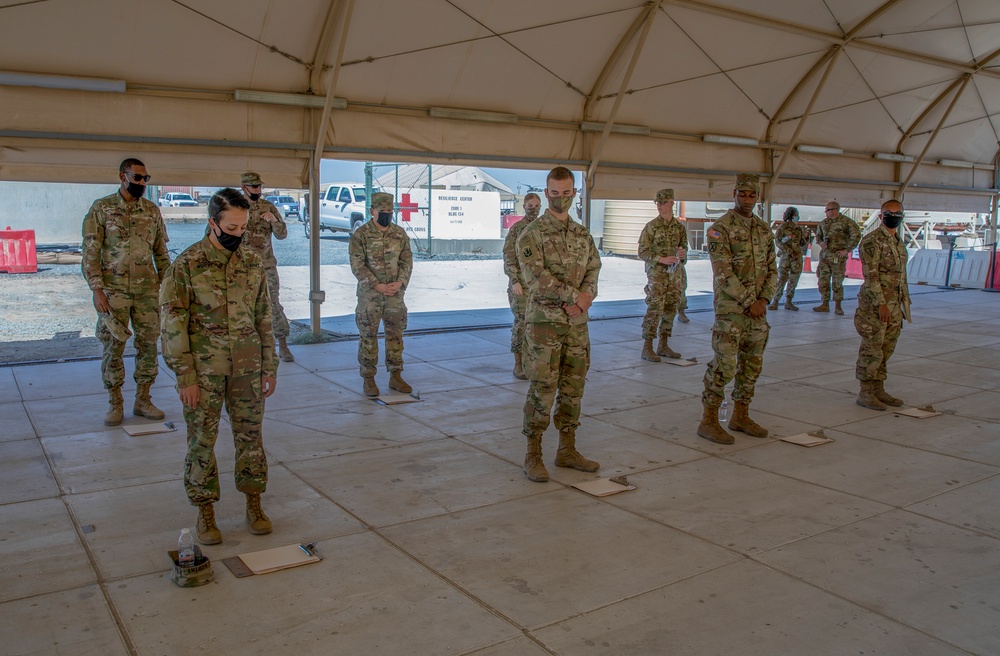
[453, 214]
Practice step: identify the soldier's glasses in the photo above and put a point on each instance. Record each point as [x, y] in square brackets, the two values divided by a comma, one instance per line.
[892, 215]
[136, 177]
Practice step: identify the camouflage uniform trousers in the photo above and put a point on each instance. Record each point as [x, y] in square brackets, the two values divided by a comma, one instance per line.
[738, 342]
[878, 341]
[684, 288]
[663, 298]
[827, 270]
[391, 312]
[244, 400]
[789, 269]
[556, 361]
[279, 323]
[518, 304]
[143, 312]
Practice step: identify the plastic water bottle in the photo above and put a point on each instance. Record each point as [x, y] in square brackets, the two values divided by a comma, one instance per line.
[185, 547]
[724, 411]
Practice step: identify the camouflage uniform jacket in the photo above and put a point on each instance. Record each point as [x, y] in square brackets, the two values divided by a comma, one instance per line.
[559, 261]
[661, 238]
[124, 246]
[215, 315]
[743, 262]
[840, 233]
[883, 261]
[258, 233]
[511, 266]
[380, 257]
[791, 238]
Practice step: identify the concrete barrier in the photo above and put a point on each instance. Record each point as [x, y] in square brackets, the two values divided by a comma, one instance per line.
[968, 268]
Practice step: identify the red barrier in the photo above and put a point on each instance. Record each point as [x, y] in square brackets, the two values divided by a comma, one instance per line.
[854, 268]
[996, 270]
[510, 219]
[17, 251]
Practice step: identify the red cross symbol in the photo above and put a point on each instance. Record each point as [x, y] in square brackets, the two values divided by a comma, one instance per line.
[407, 207]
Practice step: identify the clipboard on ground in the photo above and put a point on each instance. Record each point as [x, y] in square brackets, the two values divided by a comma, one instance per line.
[272, 560]
[396, 398]
[603, 487]
[136, 430]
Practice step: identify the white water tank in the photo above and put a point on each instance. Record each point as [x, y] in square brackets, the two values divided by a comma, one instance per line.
[623, 223]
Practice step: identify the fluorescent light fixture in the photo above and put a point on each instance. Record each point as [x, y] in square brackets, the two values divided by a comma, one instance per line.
[45, 81]
[288, 99]
[956, 163]
[471, 115]
[732, 141]
[819, 150]
[621, 128]
[893, 157]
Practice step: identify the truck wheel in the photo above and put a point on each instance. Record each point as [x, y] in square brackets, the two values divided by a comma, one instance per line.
[356, 222]
[305, 227]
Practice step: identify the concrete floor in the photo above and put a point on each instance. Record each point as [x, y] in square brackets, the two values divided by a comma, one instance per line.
[886, 541]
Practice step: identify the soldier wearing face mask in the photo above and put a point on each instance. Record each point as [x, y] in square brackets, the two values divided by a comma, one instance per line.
[265, 222]
[883, 303]
[382, 262]
[560, 264]
[791, 239]
[663, 247]
[517, 288]
[124, 259]
[218, 340]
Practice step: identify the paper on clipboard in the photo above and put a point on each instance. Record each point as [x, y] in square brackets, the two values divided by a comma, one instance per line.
[396, 398]
[916, 413]
[603, 487]
[272, 560]
[815, 438]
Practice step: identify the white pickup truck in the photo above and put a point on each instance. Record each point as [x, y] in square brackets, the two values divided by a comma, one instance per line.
[341, 208]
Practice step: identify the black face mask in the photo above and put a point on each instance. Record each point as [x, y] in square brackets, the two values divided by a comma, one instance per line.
[228, 241]
[253, 197]
[892, 219]
[384, 219]
[136, 190]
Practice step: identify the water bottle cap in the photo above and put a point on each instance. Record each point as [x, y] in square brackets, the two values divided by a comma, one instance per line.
[185, 530]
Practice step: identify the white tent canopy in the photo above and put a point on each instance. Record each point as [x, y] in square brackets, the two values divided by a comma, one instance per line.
[910, 80]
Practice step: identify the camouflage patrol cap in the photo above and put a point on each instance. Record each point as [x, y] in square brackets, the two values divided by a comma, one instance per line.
[748, 182]
[119, 330]
[663, 195]
[382, 202]
[250, 179]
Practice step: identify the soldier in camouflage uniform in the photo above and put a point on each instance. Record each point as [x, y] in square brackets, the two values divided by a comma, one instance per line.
[837, 235]
[663, 247]
[124, 259]
[883, 302]
[266, 220]
[791, 239]
[741, 248]
[217, 339]
[382, 262]
[560, 264]
[683, 305]
[516, 287]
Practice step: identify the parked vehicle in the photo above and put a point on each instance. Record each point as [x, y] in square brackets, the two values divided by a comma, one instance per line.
[288, 205]
[177, 199]
[341, 208]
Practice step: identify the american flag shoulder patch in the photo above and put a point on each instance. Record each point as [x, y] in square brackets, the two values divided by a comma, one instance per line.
[714, 234]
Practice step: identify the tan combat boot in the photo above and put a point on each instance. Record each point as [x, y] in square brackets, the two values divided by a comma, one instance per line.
[884, 396]
[534, 468]
[205, 528]
[866, 398]
[648, 353]
[665, 351]
[143, 406]
[710, 429]
[370, 388]
[258, 521]
[742, 422]
[518, 367]
[115, 407]
[837, 309]
[823, 307]
[773, 305]
[568, 456]
[791, 306]
[283, 352]
[682, 317]
[397, 383]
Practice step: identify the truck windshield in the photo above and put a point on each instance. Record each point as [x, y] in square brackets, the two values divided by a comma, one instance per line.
[359, 194]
